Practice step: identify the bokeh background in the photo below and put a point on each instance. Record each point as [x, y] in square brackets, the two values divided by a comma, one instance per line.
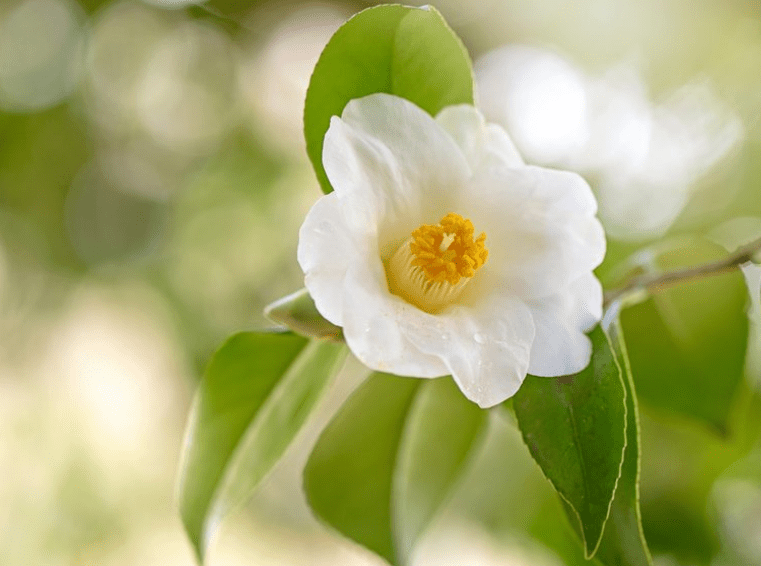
[152, 182]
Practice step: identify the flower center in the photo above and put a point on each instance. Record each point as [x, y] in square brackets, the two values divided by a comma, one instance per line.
[432, 267]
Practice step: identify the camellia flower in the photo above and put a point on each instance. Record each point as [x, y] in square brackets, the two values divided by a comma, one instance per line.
[441, 252]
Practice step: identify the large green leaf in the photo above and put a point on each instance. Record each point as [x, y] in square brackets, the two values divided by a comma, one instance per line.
[687, 343]
[575, 429]
[409, 52]
[623, 542]
[388, 460]
[254, 396]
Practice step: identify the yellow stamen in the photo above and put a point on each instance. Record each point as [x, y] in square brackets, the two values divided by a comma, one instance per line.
[446, 251]
[432, 268]
[446, 241]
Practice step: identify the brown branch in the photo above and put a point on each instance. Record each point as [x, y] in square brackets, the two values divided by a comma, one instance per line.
[654, 282]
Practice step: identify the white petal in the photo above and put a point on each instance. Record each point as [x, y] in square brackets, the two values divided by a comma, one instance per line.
[327, 246]
[372, 327]
[560, 346]
[483, 144]
[394, 165]
[540, 229]
[486, 348]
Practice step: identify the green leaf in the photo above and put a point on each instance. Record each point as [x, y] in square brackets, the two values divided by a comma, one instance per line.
[687, 343]
[389, 459]
[409, 52]
[348, 477]
[575, 429]
[623, 542]
[440, 433]
[254, 396]
[298, 312]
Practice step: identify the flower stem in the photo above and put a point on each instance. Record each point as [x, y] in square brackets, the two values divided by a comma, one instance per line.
[657, 281]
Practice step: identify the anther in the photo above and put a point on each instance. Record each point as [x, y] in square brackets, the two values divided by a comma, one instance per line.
[432, 268]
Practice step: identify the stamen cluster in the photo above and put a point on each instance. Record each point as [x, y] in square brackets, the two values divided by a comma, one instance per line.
[447, 251]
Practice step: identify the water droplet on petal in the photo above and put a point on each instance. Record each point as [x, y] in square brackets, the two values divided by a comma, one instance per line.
[479, 338]
[324, 227]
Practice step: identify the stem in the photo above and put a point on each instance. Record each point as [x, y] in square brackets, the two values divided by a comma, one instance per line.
[657, 281]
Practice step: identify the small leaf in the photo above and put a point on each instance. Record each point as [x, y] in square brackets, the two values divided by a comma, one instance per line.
[575, 429]
[254, 396]
[623, 542]
[409, 52]
[388, 460]
[298, 312]
[687, 343]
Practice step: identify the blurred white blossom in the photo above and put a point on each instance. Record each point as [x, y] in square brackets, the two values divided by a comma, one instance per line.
[644, 158]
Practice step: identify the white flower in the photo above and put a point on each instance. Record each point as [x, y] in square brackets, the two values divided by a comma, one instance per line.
[486, 309]
[646, 158]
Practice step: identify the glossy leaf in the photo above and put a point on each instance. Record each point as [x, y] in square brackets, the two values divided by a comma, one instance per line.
[254, 396]
[298, 312]
[409, 52]
[687, 343]
[389, 459]
[575, 429]
[623, 542]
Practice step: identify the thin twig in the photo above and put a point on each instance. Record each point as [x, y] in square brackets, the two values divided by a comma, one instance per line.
[652, 282]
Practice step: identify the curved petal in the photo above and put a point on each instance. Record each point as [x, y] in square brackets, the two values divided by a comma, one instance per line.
[484, 145]
[393, 165]
[560, 346]
[327, 246]
[540, 227]
[486, 348]
[372, 318]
